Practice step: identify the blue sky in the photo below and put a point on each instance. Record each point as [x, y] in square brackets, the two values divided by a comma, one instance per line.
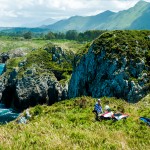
[21, 12]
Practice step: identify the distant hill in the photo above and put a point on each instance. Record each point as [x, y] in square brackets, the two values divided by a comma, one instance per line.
[136, 17]
[24, 29]
[45, 22]
[82, 23]
[4, 28]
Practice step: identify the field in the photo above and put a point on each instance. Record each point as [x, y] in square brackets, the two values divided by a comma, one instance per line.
[71, 125]
[7, 45]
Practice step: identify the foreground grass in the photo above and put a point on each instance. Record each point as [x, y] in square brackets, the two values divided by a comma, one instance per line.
[71, 125]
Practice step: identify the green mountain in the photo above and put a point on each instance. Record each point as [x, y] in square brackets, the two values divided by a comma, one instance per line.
[82, 23]
[128, 18]
[136, 17]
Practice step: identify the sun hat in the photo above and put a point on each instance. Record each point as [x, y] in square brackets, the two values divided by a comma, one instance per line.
[99, 100]
[107, 107]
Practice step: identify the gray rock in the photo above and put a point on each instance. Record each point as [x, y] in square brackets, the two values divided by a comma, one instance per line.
[19, 52]
[30, 90]
[4, 57]
[98, 76]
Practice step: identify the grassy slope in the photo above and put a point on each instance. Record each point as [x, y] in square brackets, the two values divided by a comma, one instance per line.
[124, 19]
[66, 125]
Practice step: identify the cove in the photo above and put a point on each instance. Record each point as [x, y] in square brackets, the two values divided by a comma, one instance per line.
[6, 114]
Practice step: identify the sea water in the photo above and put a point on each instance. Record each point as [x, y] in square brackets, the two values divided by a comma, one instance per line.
[2, 66]
[6, 115]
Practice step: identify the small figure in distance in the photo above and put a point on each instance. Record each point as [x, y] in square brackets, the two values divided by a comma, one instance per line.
[107, 108]
[98, 109]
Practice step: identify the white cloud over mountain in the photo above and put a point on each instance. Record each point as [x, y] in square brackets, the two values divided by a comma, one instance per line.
[18, 12]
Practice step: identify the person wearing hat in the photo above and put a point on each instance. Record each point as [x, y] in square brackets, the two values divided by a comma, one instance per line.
[98, 109]
[107, 108]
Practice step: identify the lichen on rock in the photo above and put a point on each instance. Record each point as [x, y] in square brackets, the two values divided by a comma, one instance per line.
[114, 67]
[34, 79]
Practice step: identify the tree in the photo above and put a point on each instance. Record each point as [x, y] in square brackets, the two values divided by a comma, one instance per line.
[50, 36]
[60, 35]
[27, 35]
[72, 35]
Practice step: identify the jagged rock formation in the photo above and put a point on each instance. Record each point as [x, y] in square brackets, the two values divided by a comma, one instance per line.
[4, 57]
[19, 52]
[34, 79]
[32, 90]
[116, 65]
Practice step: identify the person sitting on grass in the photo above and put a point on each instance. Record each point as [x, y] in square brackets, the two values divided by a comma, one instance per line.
[107, 108]
[98, 109]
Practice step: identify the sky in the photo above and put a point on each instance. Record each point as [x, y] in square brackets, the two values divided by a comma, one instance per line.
[24, 12]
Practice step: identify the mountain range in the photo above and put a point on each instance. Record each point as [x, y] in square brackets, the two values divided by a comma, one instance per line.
[136, 17]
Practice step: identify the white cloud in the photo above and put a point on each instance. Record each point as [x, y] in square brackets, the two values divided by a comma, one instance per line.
[42, 9]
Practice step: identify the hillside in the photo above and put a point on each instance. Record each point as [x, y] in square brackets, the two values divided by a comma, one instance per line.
[70, 124]
[40, 23]
[136, 17]
[82, 23]
[127, 18]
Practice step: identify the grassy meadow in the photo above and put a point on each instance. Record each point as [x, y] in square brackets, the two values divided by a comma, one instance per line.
[10, 44]
[71, 125]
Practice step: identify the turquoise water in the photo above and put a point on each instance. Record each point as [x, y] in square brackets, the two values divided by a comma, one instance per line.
[1, 68]
[6, 115]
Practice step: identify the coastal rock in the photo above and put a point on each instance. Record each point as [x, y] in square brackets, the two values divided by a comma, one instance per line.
[104, 71]
[19, 52]
[31, 90]
[4, 57]
[24, 85]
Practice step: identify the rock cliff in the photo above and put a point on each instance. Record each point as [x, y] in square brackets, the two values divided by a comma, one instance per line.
[35, 78]
[116, 65]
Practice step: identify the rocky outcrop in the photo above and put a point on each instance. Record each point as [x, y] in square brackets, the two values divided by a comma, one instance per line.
[112, 72]
[4, 57]
[58, 54]
[31, 90]
[34, 79]
[19, 52]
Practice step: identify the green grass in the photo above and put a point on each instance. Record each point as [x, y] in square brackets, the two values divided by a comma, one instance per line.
[129, 42]
[71, 125]
[69, 45]
[12, 44]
